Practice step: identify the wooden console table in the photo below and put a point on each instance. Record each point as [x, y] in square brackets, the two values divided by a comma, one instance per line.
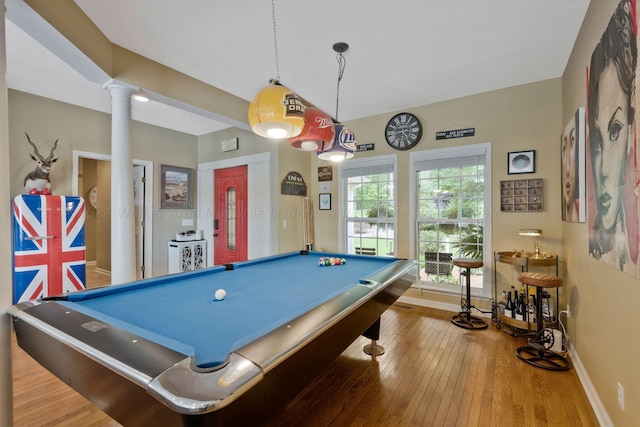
[525, 261]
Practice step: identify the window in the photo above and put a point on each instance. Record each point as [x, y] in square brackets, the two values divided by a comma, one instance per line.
[231, 218]
[369, 199]
[452, 214]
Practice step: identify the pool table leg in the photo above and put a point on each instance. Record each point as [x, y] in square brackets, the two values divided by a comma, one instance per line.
[192, 421]
[373, 333]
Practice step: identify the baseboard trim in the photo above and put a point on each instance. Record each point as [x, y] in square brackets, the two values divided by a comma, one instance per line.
[103, 271]
[439, 305]
[592, 395]
[430, 304]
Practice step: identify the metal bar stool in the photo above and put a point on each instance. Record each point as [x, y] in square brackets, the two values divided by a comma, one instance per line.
[464, 319]
[537, 352]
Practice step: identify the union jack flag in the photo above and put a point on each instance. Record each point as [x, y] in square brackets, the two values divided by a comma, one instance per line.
[48, 246]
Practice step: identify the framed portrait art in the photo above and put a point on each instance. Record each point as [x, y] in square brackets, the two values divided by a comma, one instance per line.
[521, 162]
[325, 202]
[572, 168]
[176, 187]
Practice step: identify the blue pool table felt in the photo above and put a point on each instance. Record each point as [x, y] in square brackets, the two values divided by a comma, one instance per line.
[180, 312]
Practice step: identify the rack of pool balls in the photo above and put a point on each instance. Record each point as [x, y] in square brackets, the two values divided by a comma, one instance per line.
[327, 261]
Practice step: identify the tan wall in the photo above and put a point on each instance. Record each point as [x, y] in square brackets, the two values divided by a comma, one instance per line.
[604, 324]
[103, 219]
[209, 146]
[514, 119]
[90, 131]
[290, 209]
[88, 171]
[284, 159]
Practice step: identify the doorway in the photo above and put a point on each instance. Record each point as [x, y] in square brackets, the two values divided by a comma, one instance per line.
[91, 180]
[262, 230]
[230, 219]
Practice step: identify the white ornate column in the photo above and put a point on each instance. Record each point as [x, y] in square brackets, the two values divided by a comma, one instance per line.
[6, 378]
[123, 255]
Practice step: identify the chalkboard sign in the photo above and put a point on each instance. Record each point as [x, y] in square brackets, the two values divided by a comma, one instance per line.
[293, 185]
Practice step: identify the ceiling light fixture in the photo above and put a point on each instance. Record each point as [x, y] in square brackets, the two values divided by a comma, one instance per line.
[344, 144]
[318, 132]
[276, 112]
[140, 97]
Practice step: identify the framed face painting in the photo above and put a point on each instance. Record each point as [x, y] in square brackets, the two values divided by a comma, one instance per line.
[612, 173]
[572, 167]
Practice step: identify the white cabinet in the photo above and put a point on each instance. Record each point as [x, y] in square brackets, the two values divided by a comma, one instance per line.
[187, 256]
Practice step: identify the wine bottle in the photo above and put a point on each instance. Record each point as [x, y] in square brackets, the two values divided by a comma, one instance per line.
[547, 308]
[516, 302]
[532, 309]
[520, 308]
[502, 302]
[508, 307]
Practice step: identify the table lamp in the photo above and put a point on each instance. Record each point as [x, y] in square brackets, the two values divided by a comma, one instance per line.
[535, 232]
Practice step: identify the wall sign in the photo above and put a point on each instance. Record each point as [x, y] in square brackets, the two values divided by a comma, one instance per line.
[325, 173]
[458, 133]
[229, 144]
[366, 147]
[293, 185]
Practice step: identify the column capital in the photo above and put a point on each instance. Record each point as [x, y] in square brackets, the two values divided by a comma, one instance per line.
[118, 87]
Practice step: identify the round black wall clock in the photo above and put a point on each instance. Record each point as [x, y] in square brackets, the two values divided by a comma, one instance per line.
[403, 131]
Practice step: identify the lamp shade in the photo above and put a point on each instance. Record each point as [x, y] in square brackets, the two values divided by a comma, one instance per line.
[276, 112]
[530, 232]
[344, 145]
[318, 132]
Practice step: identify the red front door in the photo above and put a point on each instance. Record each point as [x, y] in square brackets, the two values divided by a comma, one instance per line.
[230, 215]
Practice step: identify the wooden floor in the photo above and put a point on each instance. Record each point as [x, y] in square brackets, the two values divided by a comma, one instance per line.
[432, 374]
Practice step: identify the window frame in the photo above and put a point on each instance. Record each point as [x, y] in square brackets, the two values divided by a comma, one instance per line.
[450, 152]
[390, 159]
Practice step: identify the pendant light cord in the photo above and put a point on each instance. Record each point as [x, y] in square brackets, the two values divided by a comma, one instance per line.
[342, 62]
[275, 39]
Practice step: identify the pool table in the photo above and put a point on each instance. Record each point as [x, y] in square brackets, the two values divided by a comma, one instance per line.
[165, 352]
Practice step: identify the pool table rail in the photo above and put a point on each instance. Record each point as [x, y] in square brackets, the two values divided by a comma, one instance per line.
[258, 378]
[188, 391]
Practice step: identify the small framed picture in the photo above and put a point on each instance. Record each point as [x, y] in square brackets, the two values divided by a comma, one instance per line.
[176, 187]
[325, 201]
[521, 161]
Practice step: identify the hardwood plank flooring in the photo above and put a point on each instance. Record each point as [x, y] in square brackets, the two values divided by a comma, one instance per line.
[432, 374]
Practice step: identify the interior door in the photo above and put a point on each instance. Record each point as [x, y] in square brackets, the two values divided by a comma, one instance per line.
[230, 215]
[138, 202]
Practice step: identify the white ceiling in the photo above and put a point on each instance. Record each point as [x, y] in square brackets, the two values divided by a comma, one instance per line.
[403, 53]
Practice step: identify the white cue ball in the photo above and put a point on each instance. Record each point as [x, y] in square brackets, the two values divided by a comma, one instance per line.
[220, 294]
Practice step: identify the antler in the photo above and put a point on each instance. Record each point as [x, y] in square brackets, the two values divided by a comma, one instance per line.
[35, 149]
[55, 144]
[37, 153]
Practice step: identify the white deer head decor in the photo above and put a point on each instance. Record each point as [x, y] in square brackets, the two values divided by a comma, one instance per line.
[37, 182]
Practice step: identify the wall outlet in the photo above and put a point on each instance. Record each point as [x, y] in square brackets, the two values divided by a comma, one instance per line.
[568, 310]
[621, 396]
